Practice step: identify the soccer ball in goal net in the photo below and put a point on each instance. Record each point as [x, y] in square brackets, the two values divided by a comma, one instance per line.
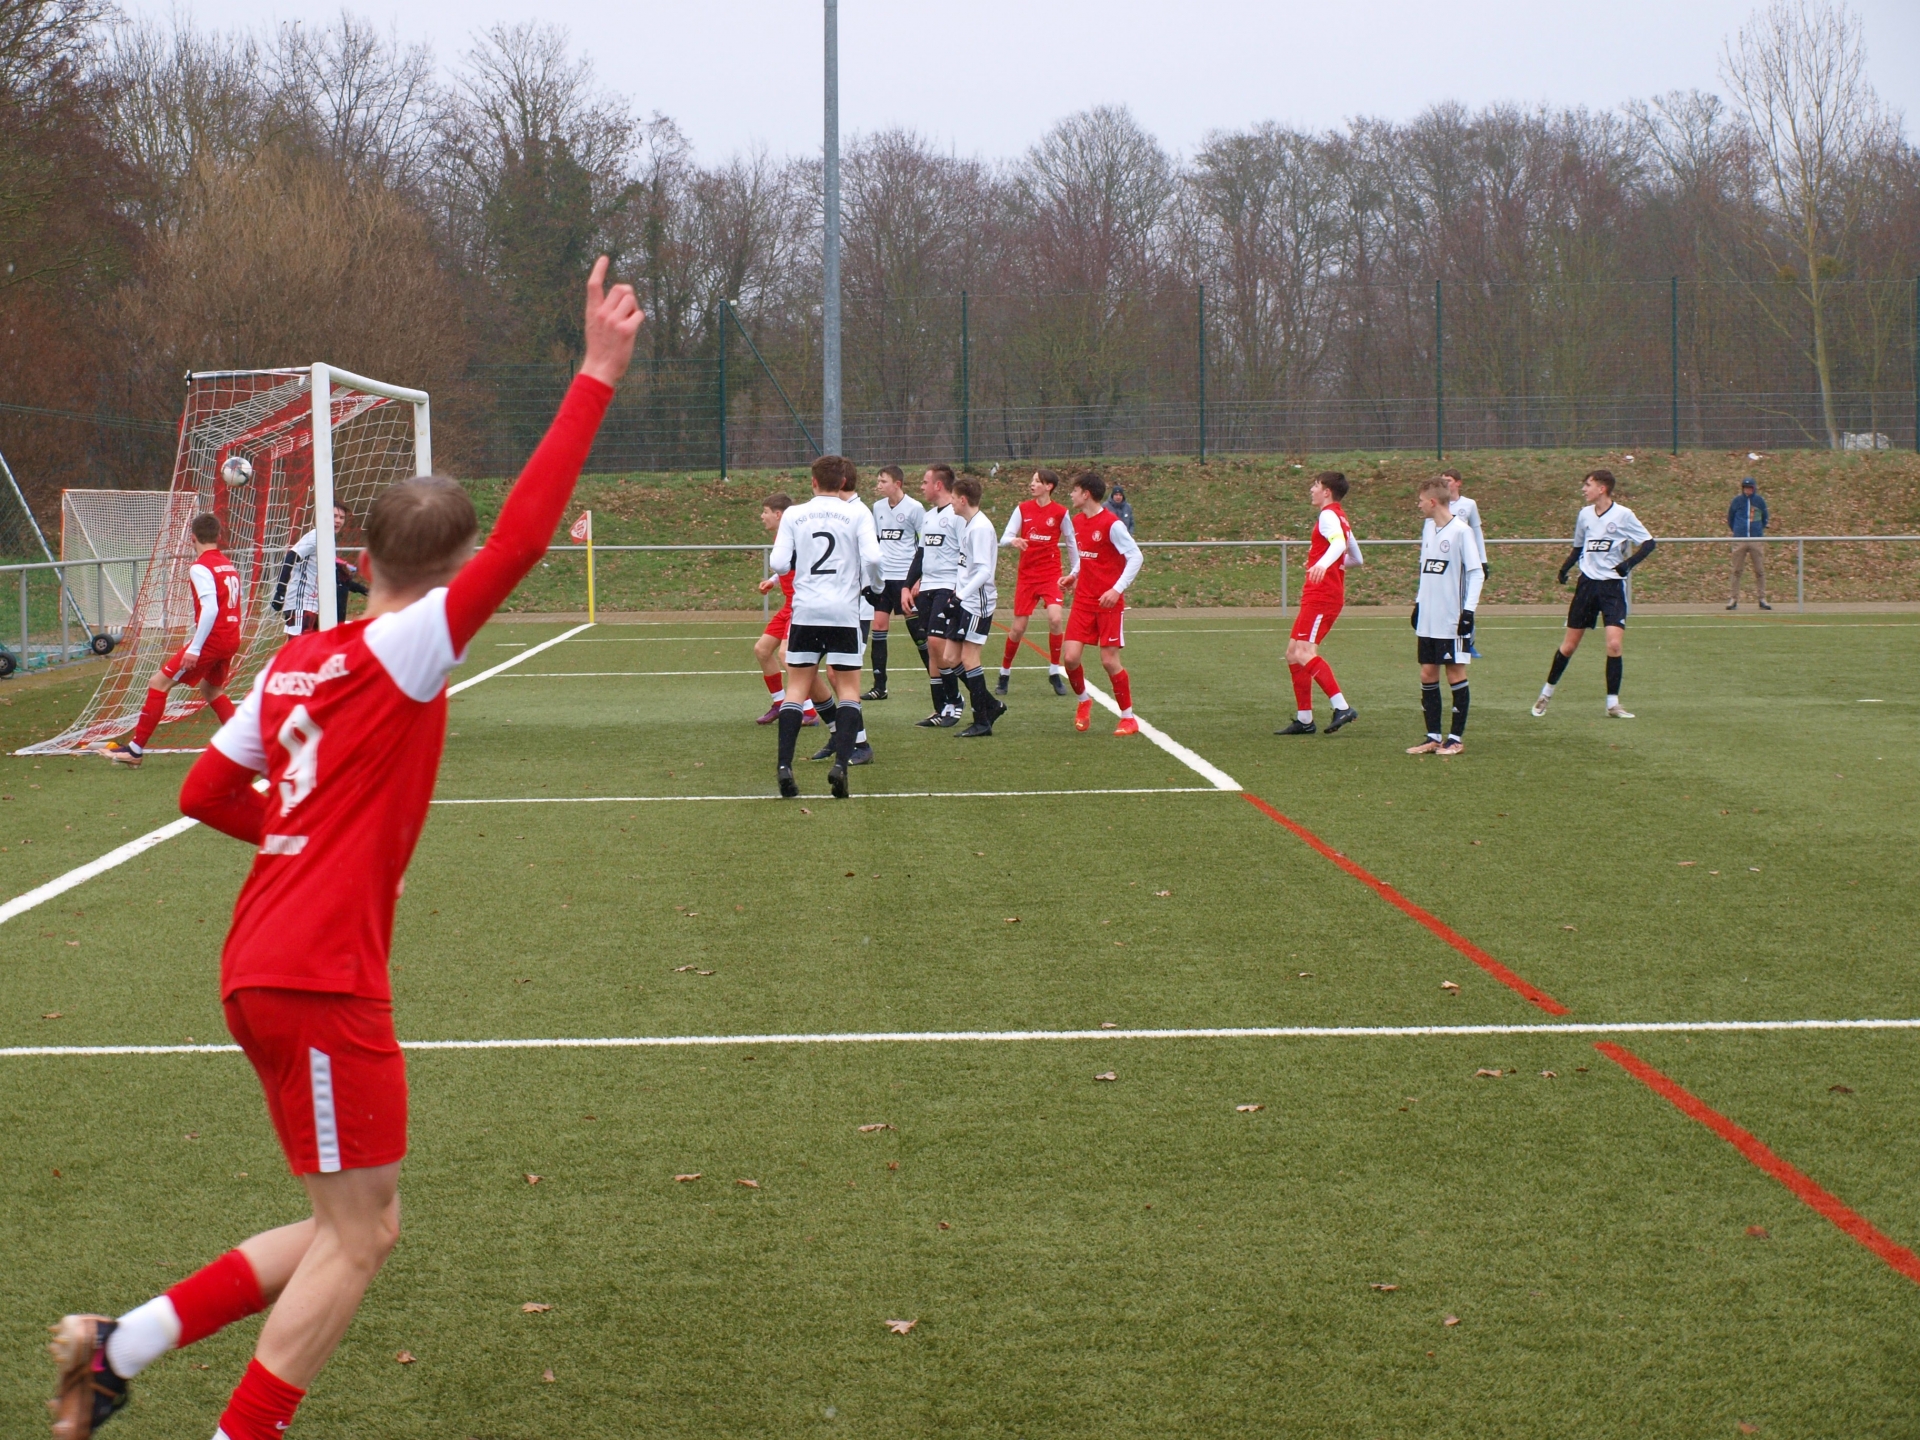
[267, 451]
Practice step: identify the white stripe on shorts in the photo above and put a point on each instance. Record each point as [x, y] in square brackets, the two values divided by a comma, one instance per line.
[326, 1130]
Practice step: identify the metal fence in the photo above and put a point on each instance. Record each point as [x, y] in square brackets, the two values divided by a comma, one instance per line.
[68, 610]
[1439, 367]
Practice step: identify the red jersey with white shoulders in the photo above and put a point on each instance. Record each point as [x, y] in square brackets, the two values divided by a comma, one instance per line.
[1040, 523]
[216, 605]
[1109, 555]
[1331, 532]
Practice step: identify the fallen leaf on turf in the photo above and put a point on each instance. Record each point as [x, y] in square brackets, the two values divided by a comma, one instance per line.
[901, 1327]
[193, 1134]
[1548, 1075]
[1685, 863]
[1579, 1069]
[683, 1179]
[1383, 1288]
[1163, 894]
[1306, 974]
[681, 969]
[1109, 1075]
[1758, 1232]
[1109, 1025]
[1486, 1074]
[1753, 869]
[405, 1357]
[1248, 1109]
[849, 875]
[869, 1129]
[547, 1375]
[1839, 1089]
[1451, 1321]
[805, 811]
[945, 1226]
[893, 1164]
[52, 1015]
[1569, 927]
[750, 1184]
[1748, 1428]
[703, 972]
[1013, 919]
[1448, 985]
[198, 1366]
[534, 1179]
[534, 1307]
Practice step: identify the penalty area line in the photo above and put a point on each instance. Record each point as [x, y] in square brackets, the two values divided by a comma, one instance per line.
[864, 795]
[1804, 1187]
[965, 1037]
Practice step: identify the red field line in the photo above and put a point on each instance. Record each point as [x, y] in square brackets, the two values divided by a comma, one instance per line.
[1525, 989]
[1533, 994]
[1807, 1190]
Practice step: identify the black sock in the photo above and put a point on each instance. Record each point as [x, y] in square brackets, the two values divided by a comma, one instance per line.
[950, 680]
[1558, 668]
[926, 659]
[846, 730]
[880, 660]
[938, 685]
[1430, 704]
[977, 687]
[866, 631]
[1613, 674]
[826, 709]
[1459, 711]
[789, 732]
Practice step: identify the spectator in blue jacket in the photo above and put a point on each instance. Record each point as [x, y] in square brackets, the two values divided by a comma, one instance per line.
[1747, 522]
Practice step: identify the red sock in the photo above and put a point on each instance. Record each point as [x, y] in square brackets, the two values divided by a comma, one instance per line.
[776, 684]
[1054, 643]
[223, 707]
[150, 712]
[262, 1406]
[1077, 680]
[1323, 672]
[1013, 649]
[1123, 689]
[215, 1296]
[1302, 687]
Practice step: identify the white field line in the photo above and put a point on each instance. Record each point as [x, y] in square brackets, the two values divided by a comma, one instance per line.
[967, 1037]
[612, 674]
[525, 654]
[864, 795]
[1207, 771]
[79, 876]
[60, 884]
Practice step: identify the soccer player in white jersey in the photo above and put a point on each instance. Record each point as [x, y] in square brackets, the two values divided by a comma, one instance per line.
[1450, 579]
[898, 519]
[831, 550]
[930, 592]
[297, 592]
[822, 693]
[976, 597]
[1468, 511]
[1608, 541]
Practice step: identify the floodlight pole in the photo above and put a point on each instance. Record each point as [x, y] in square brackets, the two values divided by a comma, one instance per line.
[830, 256]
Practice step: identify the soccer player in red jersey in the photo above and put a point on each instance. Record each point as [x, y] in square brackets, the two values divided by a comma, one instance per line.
[347, 726]
[768, 647]
[1035, 529]
[207, 657]
[1109, 558]
[1329, 552]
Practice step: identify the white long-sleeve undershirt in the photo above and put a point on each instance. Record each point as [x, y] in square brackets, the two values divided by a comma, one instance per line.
[1124, 542]
[208, 594]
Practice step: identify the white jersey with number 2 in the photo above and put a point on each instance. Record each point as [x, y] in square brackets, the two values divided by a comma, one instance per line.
[833, 550]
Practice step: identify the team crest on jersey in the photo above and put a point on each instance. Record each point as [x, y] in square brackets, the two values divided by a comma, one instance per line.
[303, 682]
[1445, 545]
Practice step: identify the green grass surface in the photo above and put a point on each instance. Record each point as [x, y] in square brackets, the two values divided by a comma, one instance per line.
[1520, 492]
[1132, 1258]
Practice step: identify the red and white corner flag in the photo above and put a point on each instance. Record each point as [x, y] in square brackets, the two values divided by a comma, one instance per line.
[582, 531]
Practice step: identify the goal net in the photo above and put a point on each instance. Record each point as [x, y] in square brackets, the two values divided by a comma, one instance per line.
[116, 525]
[314, 437]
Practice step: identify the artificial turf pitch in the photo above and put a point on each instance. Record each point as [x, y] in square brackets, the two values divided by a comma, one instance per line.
[1135, 1257]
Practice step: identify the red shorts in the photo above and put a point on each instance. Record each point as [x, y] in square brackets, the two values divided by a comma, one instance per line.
[777, 626]
[1315, 619]
[1035, 594]
[1091, 625]
[335, 1079]
[213, 668]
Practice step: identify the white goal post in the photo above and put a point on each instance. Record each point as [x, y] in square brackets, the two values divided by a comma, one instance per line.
[325, 377]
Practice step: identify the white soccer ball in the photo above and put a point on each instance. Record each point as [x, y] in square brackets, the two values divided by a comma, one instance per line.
[237, 470]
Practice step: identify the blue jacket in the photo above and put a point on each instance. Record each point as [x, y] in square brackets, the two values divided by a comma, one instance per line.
[1747, 517]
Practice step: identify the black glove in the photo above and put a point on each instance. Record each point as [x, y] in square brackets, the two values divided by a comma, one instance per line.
[1486, 571]
[1414, 619]
[1465, 628]
[1563, 573]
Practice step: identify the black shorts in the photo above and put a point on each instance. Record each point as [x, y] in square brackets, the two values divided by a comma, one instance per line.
[838, 646]
[945, 619]
[975, 628]
[1442, 650]
[1595, 601]
[889, 602]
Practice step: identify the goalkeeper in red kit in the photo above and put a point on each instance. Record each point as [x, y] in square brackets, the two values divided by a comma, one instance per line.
[346, 725]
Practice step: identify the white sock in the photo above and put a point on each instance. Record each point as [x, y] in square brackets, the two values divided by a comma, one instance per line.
[142, 1336]
[1545, 691]
[1337, 700]
[1127, 714]
[861, 738]
[1612, 700]
[1305, 717]
[1006, 672]
[1056, 669]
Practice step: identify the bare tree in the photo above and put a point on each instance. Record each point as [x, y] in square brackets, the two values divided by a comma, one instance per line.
[370, 104]
[1798, 73]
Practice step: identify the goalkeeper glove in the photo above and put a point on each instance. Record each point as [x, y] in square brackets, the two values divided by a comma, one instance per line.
[1563, 573]
[1414, 619]
[1465, 628]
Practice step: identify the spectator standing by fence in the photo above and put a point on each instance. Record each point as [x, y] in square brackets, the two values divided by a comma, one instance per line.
[1747, 521]
[1117, 503]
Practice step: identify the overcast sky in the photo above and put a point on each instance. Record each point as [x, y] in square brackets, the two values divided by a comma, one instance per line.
[986, 77]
